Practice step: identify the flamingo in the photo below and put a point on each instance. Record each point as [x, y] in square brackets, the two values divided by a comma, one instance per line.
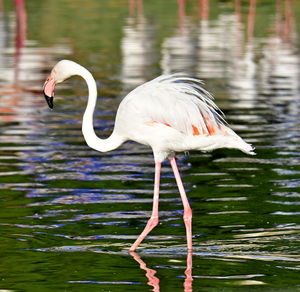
[171, 113]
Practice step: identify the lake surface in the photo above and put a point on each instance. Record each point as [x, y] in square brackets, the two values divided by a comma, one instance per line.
[69, 214]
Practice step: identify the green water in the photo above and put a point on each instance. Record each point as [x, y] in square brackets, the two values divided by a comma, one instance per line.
[69, 214]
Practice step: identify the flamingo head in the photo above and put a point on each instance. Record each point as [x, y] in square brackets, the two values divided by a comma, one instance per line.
[60, 72]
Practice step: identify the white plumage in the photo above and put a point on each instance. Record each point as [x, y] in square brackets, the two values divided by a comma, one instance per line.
[170, 113]
[173, 113]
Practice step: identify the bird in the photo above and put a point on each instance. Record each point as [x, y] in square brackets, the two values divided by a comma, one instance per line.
[171, 113]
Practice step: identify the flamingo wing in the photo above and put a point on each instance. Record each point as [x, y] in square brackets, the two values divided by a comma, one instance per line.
[180, 102]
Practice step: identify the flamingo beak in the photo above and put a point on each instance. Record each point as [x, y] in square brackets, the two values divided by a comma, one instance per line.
[49, 87]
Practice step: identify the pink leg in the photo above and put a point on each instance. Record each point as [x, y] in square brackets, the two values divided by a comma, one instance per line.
[187, 215]
[153, 221]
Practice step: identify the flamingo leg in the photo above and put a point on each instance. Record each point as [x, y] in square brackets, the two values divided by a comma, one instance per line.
[153, 221]
[187, 215]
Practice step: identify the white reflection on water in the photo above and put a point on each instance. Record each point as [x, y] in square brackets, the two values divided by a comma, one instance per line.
[21, 70]
[137, 46]
[242, 67]
[280, 64]
[178, 51]
[21, 61]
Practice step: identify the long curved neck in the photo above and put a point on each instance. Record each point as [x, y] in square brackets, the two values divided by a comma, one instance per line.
[89, 134]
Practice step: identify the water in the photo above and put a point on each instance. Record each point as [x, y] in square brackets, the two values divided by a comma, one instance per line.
[69, 214]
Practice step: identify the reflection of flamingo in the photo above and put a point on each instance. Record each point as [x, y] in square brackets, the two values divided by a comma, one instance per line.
[279, 67]
[284, 26]
[179, 51]
[21, 26]
[137, 46]
[135, 6]
[242, 67]
[13, 89]
[22, 77]
[13, 76]
[150, 273]
[203, 9]
[170, 113]
[251, 20]
[21, 33]
[154, 281]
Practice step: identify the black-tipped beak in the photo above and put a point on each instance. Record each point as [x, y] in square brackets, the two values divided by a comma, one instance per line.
[48, 89]
[49, 100]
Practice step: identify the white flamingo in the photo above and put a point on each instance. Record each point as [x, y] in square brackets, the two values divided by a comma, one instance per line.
[171, 113]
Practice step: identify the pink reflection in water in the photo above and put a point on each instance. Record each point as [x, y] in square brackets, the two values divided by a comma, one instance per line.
[153, 281]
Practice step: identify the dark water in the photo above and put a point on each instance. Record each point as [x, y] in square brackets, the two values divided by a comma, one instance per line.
[69, 214]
